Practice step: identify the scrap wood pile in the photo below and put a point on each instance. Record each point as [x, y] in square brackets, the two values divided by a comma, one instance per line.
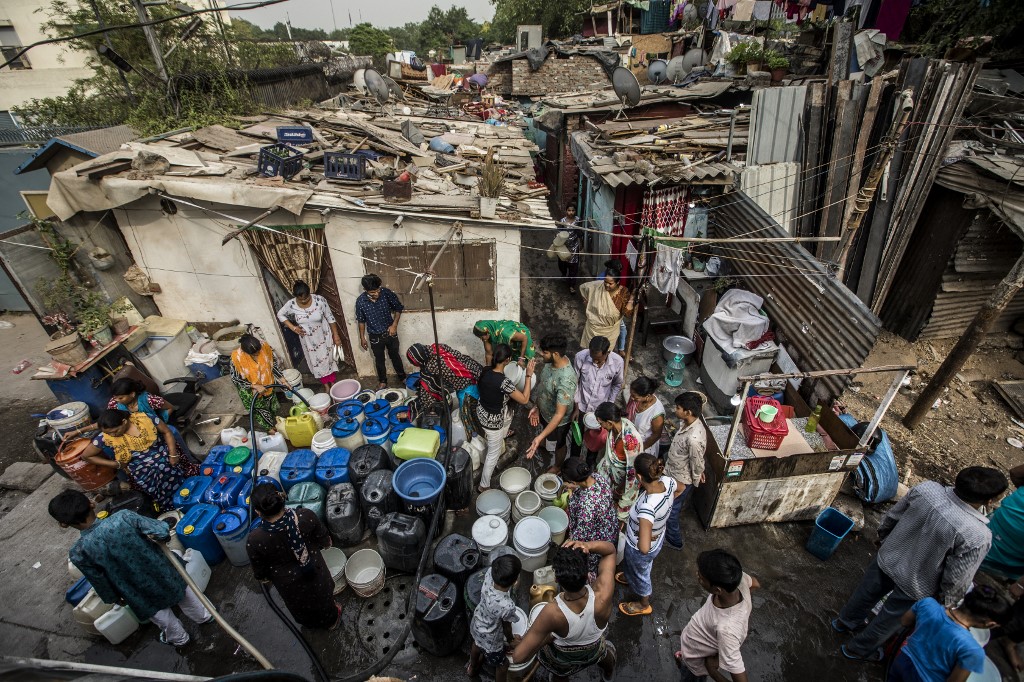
[687, 149]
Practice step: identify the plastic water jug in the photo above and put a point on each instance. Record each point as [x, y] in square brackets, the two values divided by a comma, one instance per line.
[308, 495]
[332, 467]
[300, 429]
[299, 467]
[378, 498]
[260, 480]
[376, 430]
[303, 409]
[196, 567]
[396, 433]
[238, 461]
[192, 491]
[242, 499]
[117, 624]
[458, 432]
[458, 486]
[674, 371]
[477, 449]
[232, 530]
[224, 490]
[377, 409]
[400, 541]
[230, 435]
[364, 461]
[270, 464]
[77, 592]
[439, 625]
[347, 432]
[416, 442]
[323, 440]
[350, 409]
[214, 462]
[344, 516]
[88, 610]
[399, 416]
[456, 557]
[195, 530]
[271, 443]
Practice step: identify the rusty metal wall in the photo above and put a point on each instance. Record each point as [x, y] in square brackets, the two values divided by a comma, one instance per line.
[824, 325]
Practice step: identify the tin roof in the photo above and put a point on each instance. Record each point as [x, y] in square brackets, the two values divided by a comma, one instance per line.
[92, 143]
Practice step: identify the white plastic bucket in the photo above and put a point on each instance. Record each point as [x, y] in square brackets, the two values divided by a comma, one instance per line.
[394, 396]
[527, 504]
[535, 611]
[69, 416]
[557, 520]
[344, 390]
[336, 561]
[323, 440]
[174, 516]
[547, 487]
[531, 538]
[365, 571]
[513, 481]
[494, 502]
[306, 393]
[293, 378]
[489, 532]
[519, 627]
[320, 402]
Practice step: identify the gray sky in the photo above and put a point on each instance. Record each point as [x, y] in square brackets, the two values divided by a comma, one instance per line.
[380, 13]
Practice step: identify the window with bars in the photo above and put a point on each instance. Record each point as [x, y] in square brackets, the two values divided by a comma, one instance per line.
[464, 276]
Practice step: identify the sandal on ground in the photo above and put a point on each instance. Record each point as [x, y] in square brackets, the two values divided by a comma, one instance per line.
[875, 656]
[620, 578]
[632, 608]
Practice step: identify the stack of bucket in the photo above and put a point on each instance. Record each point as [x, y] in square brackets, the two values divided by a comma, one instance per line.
[531, 538]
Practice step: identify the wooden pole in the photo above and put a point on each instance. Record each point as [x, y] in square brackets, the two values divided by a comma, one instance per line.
[967, 344]
[243, 228]
[883, 407]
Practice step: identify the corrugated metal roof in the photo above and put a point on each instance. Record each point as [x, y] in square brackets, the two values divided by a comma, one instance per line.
[776, 125]
[1006, 167]
[774, 188]
[824, 324]
[91, 143]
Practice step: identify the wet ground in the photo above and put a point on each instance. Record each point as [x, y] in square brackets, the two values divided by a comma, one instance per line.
[789, 634]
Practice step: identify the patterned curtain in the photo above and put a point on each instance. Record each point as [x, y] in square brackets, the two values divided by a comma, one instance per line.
[290, 253]
[665, 210]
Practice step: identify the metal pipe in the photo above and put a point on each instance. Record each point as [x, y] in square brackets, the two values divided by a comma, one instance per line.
[104, 670]
[737, 416]
[883, 407]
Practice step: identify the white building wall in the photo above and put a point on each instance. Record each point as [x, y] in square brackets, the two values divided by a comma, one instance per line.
[346, 238]
[54, 67]
[200, 279]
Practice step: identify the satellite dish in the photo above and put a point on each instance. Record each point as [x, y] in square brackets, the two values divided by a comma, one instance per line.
[537, 54]
[395, 88]
[693, 58]
[657, 71]
[377, 86]
[627, 89]
[359, 81]
[676, 71]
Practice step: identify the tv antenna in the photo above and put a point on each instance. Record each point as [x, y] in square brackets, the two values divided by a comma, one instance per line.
[627, 90]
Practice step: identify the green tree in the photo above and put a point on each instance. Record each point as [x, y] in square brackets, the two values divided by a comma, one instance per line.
[367, 40]
[559, 19]
[442, 29]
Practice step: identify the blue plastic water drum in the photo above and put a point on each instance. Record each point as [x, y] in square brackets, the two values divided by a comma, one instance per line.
[332, 467]
[213, 465]
[412, 381]
[224, 490]
[349, 409]
[379, 409]
[232, 530]
[399, 416]
[195, 530]
[299, 467]
[242, 500]
[76, 593]
[419, 481]
[830, 528]
[191, 492]
[239, 460]
[345, 427]
[376, 430]
[396, 431]
[260, 480]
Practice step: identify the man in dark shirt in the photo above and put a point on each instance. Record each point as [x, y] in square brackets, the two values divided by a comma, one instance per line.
[378, 311]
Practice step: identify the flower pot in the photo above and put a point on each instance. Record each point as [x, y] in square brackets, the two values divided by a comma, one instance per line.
[101, 259]
[488, 206]
[755, 66]
[120, 325]
[67, 349]
[740, 69]
[103, 337]
[778, 75]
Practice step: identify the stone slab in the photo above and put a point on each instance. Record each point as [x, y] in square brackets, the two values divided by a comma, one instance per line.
[25, 476]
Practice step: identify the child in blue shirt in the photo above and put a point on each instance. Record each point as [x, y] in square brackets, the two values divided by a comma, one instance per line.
[942, 648]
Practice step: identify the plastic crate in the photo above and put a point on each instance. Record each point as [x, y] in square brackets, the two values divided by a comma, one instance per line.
[343, 166]
[295, 134]
[271, 162]
[760, 435]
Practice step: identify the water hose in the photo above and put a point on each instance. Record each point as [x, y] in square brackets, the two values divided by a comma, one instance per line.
[209, 606]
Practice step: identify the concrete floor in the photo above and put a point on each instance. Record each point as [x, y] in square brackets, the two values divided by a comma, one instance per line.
[789, 635]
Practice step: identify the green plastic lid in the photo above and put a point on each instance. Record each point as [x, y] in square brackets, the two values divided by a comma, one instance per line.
[236, 456]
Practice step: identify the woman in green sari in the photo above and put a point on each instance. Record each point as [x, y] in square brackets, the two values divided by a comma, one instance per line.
[495, 332]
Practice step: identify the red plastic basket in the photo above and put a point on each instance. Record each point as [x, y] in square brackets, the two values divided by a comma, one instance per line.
[760, 435]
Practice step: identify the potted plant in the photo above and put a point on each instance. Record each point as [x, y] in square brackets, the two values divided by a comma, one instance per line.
[755, 60]
[118, 321]
[94, 319]
[777, 64]
[492, 181]
[743, 54]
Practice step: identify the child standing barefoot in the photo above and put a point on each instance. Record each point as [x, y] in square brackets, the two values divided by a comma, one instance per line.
[491, 626]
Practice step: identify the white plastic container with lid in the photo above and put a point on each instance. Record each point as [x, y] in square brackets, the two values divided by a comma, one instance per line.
[547, 486]
[272, 443]
[233, 436]
[117, 624]
[320, 402]
[489, 532]
[88, 610]
[196, 567]
[531, 539]
[519, 627]
[457, 434]
[323, 440]
[270, 462]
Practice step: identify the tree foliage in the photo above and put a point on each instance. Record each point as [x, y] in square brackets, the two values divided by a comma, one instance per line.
[367, 40]
[559, 19]
[939, 25]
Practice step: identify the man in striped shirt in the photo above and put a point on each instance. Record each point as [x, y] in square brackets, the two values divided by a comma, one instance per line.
[931, 544]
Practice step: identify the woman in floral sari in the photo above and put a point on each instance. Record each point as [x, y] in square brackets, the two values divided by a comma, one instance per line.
[253, 367]
[623, 445]
[591, 506]
[146, 450]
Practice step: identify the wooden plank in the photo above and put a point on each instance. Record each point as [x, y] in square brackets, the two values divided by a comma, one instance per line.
[813, 158]
[1013, 393]
[864, 130]
[799, 498]
[838, 166]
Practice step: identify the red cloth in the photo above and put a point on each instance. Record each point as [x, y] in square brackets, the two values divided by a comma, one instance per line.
[767, 336]
[438, 69]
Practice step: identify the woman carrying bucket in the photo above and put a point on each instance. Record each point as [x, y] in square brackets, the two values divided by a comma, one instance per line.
[285, 550]
[253, 367]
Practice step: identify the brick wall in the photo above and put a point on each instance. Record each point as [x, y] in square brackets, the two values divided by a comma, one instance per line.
[499, 78]
[556, 75]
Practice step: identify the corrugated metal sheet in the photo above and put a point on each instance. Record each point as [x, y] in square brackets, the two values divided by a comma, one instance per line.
[824, 324]
[776, 125]
[982, 258]
[774, 188]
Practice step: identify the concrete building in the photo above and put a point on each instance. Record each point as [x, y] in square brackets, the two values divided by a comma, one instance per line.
[45, 71]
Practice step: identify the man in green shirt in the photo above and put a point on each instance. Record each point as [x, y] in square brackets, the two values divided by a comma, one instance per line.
[556, 387]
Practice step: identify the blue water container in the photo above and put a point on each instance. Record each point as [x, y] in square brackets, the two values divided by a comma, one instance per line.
[830, 528]
[376, 430]
[232, 530]
[239, 461]
[195, 530]
[444, 436]
[399, 416]
[191, 492]
[345, 427]
[332, 467]
[378, 408]
[260, 480]
[349, 409]
[299, 467]
[224, 491]
[213, 465]
[76, 593]
[203, 372]
[412, 380]
[242, 500]
[419, 481]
